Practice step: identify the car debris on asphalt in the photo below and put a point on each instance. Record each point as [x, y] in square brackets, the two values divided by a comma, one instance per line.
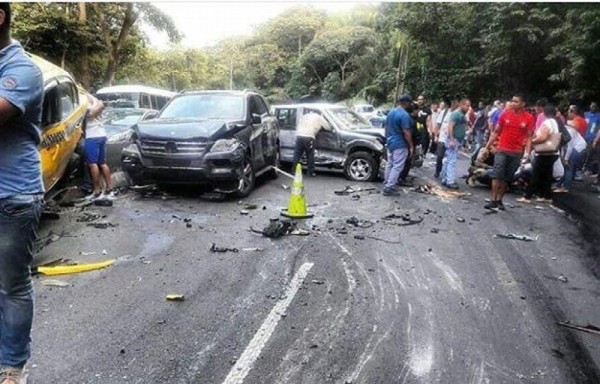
[588, 328]
[348, 190]
[213, 248]
[102, 225]
[512, 236]
[277, 228]
[355, 222]
[71, 269]
[175, 297]
[406, 219]
[55, 283]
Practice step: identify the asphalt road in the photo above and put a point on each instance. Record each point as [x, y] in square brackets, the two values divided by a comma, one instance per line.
[441, 301]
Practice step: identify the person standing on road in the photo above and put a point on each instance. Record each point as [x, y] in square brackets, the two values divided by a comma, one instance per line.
[423, 120]
[480, 126]
[399, 143]
[576, 120]
[21, 197]
[457, 128]
[431, 129]
[573, 158]
[310, 124]
[442, 135]
[95, 149]
[515, 128]
[593, 127]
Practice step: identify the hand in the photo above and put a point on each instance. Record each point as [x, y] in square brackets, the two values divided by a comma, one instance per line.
[452, 143]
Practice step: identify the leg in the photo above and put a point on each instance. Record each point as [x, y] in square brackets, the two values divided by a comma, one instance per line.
[104, 169]
[451, 157]
[398, 159]
[310, 155]
[405, 169]
[92, 158]
[545, 177]
[388, 166]
[298, 150]
[19, 220]
[439, 161]
[95, 173]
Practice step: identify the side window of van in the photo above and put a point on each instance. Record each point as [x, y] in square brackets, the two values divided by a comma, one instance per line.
[145, 101]
[287, 118]
[160, 102]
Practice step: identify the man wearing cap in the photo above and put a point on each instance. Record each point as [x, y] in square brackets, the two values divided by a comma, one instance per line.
[399, 143]
[21, 197]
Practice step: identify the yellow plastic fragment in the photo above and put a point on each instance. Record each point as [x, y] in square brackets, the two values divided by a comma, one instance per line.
[175, 297]
[70, 269]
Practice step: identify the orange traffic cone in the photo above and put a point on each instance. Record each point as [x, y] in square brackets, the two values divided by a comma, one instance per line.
[297, 205]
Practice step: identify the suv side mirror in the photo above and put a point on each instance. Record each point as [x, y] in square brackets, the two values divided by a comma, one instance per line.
[256, 118]
[150, 115]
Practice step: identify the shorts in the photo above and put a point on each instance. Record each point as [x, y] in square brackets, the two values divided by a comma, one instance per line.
[95, 150]
[506, 165]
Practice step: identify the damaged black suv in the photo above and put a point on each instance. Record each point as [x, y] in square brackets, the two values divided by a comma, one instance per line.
[220, 139]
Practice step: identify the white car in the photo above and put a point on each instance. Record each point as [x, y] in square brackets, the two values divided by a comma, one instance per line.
[365, 110]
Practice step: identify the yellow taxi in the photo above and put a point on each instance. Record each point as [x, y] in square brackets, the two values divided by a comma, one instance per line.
[63, 116]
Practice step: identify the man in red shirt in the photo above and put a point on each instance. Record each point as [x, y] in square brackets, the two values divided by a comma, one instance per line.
[514, 131]
[576, 119]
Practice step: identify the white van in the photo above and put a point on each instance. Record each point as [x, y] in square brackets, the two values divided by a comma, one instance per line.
[134, 96]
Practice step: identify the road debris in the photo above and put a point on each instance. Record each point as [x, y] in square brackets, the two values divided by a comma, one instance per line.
[354, 221]
[460, 219]
[244, 212]
[588, 328]
[348, 190]
[55, 283]
[384, 240]
[102, 225]
[87, 217]
[215, 249]
[318, 282]
[562, 279]
[256, 249]
[286, 187]
[175, 297]
[512, 236]
[71, 269]
[277, 228]
[103, 203]
[406, 218]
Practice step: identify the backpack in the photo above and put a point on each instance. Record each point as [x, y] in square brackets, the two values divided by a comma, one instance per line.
[565, 136]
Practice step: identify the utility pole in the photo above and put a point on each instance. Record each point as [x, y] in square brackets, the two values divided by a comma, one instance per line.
[231, 74]
[402, 65]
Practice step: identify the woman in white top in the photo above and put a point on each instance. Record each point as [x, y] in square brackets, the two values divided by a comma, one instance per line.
[541, 181]
[574, 155]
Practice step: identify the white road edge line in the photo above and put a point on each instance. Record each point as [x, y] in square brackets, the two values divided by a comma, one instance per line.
[246, 361]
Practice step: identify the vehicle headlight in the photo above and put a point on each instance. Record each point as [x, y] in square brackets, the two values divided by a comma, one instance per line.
[225, 145]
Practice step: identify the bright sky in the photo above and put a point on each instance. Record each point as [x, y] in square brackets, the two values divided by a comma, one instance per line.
[205, 23]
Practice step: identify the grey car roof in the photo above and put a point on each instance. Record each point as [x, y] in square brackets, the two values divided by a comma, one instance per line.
[310, 106]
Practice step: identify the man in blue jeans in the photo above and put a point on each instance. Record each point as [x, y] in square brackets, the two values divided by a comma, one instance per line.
[21, 197]
[456, 134]
[399, 143]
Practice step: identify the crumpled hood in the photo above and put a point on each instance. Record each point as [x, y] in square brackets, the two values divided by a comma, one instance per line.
[377, 132]
[182, 129]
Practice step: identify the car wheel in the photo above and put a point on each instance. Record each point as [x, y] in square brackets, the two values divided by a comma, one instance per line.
[247, 181]
[273, 174]
[361, 166]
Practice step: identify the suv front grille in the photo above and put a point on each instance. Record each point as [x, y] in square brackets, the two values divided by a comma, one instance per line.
[165, 147]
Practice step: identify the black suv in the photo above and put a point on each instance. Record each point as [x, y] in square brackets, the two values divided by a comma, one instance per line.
[221, 139]
[352, 145]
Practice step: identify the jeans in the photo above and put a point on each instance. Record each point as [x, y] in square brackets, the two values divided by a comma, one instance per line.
[19, 220]
[575, 161]
[439, 160]
[395, 163]
[305, 145]
[541, 180]
[405, 169]
[449, 168]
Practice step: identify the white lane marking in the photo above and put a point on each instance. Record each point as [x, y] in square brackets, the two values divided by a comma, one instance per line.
[245, 363]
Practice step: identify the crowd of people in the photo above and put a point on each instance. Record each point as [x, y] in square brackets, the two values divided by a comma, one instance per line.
[538, 149]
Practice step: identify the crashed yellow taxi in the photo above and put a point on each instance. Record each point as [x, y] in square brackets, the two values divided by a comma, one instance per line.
[63, 115]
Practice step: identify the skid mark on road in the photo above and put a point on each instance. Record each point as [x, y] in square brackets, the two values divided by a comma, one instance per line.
[246, 361]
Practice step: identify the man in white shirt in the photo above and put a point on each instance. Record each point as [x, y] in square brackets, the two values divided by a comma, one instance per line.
[442, 134]
[95, 148]
[310, 124]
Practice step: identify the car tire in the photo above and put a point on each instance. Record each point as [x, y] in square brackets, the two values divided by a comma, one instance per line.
[248, 180]
[361, 166]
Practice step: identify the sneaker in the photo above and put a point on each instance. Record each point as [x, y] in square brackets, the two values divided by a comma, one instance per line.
[390, 192]
[560, 190]
[453, 186]
[11, 375]
[500, 205]
[491, 206]
[110, 195]
[523, 200]
[91, 197]
[542, 200]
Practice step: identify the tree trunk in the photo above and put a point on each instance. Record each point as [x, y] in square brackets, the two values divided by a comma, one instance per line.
[84, 75]
[115, 48]
[63, 58]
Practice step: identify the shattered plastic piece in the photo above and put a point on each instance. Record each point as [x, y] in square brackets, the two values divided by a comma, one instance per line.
[277, 228]
[215, 249]
[103, 225]
[70, 269]
[354, 221]
[87, 253]
[300, 232]
[435, 230]
[407, 220]
[103, 203]
[318, 282]
[460, 219]
[562, 279]
[359, 237]
[175, 297]
[87, 217]
[253, 249]
[512, 236]
[55, 283]
[244, 212]
[286, 187]
[384, 240]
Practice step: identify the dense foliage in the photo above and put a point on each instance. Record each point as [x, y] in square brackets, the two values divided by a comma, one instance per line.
[484, 50]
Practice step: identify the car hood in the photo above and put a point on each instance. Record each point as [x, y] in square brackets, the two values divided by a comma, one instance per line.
[377, 132]
[182, 129]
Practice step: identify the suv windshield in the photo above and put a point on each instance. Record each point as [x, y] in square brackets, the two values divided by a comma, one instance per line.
[203, 106]
[349, 119]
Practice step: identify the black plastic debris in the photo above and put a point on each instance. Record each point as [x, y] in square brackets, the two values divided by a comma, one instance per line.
[277, 228]
[103, 203]
[460, 219]
[512, 236]
[102, 225]
[348, 190]
[215, 249]
[406, 219]
[354, 221]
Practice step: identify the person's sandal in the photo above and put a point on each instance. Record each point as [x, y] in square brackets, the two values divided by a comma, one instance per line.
[10, 375]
